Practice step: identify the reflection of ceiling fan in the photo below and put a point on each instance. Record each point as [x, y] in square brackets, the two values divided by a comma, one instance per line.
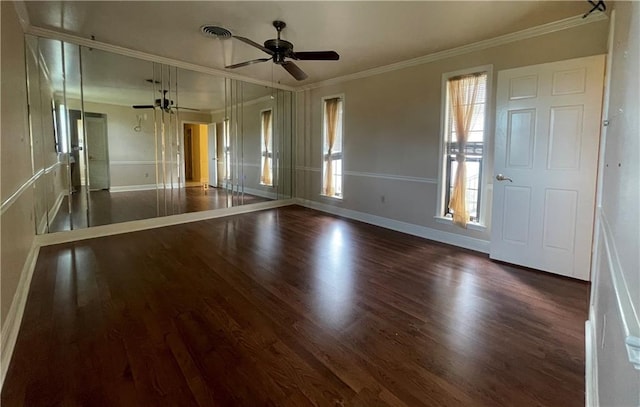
[280, 49]
[163, 103]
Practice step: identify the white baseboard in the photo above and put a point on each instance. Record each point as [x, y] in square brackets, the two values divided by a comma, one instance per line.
[136, 225]
[591, 364]
[51, 215]
[11, 325]
[131, 188]
[261, 193]
[453, 239]
[53, 212]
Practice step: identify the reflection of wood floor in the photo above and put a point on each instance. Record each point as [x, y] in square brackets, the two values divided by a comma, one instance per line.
[292, 307]
[114, 207]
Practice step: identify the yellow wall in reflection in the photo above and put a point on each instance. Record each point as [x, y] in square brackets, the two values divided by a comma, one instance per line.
[199, 152]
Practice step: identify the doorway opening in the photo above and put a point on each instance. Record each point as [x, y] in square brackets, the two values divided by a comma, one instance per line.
[89, 155]
[196, 147]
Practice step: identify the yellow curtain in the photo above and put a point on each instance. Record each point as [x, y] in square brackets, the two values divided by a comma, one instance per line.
[331, 114]
[266, 135]
[462, 95]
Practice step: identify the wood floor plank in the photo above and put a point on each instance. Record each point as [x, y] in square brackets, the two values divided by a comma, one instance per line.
[293, 307]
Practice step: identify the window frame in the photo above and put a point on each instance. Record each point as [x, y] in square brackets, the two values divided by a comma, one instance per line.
[271, 154]
[484, 187]
[341, 154]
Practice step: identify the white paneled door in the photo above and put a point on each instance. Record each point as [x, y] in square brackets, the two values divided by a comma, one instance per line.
[548, 121]
[98, 153]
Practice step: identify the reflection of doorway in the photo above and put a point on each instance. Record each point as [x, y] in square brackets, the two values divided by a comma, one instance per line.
[98, 152]
[188, 154]
[96, 146]
[196, 154]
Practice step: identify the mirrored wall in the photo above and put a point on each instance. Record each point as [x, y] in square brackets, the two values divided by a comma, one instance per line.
[117, 139]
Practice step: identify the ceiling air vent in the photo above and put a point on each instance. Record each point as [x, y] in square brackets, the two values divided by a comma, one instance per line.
[215, 31]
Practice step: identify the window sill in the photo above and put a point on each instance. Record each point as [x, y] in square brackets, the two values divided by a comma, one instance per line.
[471, 225]
[331, 198]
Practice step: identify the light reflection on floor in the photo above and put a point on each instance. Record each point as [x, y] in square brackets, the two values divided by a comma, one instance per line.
[333, 290]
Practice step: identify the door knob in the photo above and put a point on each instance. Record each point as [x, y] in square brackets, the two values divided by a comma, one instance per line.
[501, 177]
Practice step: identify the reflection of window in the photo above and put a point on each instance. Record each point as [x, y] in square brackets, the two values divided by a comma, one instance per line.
[266, 146]
[227, 151]
[471, 98]
[332, 158]
[63, 136]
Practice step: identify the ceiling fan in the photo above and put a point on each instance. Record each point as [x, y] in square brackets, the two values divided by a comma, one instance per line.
[164, 103]
[280, 49]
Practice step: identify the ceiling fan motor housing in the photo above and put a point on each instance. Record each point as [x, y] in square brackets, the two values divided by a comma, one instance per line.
[280, 48]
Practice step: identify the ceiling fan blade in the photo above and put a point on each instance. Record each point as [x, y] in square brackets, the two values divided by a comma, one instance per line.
[254, 44]
[316, 55]
[143, 106]
[254, 61]
[186, 108]
[294, 70]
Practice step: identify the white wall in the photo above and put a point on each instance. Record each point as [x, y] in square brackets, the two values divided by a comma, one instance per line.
[616, 271]
[392, 133]
[17, 228]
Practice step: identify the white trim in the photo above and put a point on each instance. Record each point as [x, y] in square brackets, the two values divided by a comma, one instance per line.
[470, 225]
[126, 227]
[53, 212]
[309, 169]
[454, 239]
[147, 187]
[139, 162]
[12, 322]
[261, 192]
[6, 204]
[131, 188]
[74, 39]
[245, 104]
[532, 32]
[628, 313]
[591, 363]
[23, 14]
[407, 178]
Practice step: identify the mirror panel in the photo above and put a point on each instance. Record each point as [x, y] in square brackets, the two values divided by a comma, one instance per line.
[129, 139]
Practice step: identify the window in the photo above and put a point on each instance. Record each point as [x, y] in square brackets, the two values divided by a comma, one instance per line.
[463, 141]
[266, 145]
[226, 140]
[332, 158]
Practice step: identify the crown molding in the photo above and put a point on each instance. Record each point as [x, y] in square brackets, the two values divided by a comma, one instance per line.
[247, 103]
[103, 46]
[23, 14]
[532, 32]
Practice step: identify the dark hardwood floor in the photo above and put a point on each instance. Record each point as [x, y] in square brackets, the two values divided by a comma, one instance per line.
[293, 307]
[105, 207]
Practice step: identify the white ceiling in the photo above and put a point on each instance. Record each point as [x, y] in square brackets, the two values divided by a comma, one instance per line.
[366, 34]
